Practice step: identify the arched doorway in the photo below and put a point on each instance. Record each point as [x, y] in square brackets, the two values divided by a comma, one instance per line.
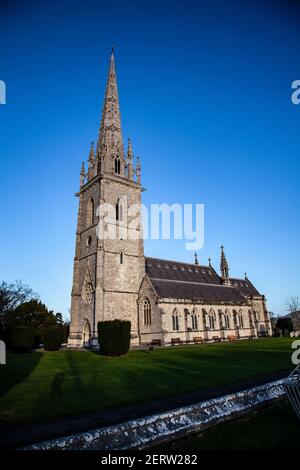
[86, 334]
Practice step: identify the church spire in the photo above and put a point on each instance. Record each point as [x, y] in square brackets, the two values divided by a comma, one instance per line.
[110, 143]
[224, 267]
[196, 258]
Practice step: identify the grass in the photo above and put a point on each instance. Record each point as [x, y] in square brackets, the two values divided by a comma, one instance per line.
[275, 428]
[42, 385]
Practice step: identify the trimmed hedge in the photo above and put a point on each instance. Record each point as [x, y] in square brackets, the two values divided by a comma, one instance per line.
[114, 337]
[6, 335]
[53, 338]
[37, 339]
[22, 339]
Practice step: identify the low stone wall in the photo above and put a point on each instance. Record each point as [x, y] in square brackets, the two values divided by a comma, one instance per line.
[141, 433]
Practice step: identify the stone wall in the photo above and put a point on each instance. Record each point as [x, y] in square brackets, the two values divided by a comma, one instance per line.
[244, 320]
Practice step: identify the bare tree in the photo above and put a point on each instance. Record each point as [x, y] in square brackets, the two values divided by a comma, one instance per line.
[293, 303]
[13, 294]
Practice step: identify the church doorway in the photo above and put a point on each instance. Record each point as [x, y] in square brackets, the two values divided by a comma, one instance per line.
[86, 335]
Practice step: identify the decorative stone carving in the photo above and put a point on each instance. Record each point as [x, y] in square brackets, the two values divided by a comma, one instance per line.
[87, 288]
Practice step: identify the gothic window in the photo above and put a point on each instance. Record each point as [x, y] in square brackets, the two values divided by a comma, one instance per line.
[147, 312]
[211, 319]
[241, 321]
[227, 319]
[194, 321]
[175, 321]
[117, 165]
[204, 317]
[235, 318]
[90, 212]
[121, 257]
[119, 211]
[211, 322]
[250, 318]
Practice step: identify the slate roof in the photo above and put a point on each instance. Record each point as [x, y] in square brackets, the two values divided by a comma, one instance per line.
[245, 286]
[178, 271]
[177, 280]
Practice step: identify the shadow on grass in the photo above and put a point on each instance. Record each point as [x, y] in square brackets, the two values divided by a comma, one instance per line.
[17, 369]
[75, 372]
[56, 384]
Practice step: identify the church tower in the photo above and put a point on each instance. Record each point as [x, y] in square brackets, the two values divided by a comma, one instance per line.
[109, 262]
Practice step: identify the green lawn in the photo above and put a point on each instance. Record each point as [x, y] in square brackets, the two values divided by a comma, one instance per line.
[43, 385]
[274, 428]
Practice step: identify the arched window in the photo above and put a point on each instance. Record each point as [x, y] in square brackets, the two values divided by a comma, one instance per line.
[117, 165]
[204, 318]
[194, 322]
[211, 319]
[147, 312]
[175, 321]
[211, 322]
[241, 321]
[250, 318]
[90, 212]
[235, 318]
[121, 257]
[221, 318]
[119, 211]
[227, 319]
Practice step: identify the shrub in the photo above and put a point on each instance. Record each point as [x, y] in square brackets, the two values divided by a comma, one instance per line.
[53, 338]
[22, 339]
[277, 332]
[114, 337]
[6, 335]
[37, 338]
[285, 324]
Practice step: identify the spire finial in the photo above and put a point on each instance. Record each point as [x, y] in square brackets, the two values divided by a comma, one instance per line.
[196, 258]
[138, 170]
[209, 262]
[129, 160]
[82, 175]
[129, 148]
[224, 267]
[245, 275]
[91, 161]
[91, 155]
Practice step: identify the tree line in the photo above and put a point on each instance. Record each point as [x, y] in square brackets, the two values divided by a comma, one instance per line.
[21, 308]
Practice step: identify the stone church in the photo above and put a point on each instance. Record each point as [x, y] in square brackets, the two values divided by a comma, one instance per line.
[166, 301]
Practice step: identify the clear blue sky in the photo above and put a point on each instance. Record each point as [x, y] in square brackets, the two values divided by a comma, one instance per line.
[205, 96]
